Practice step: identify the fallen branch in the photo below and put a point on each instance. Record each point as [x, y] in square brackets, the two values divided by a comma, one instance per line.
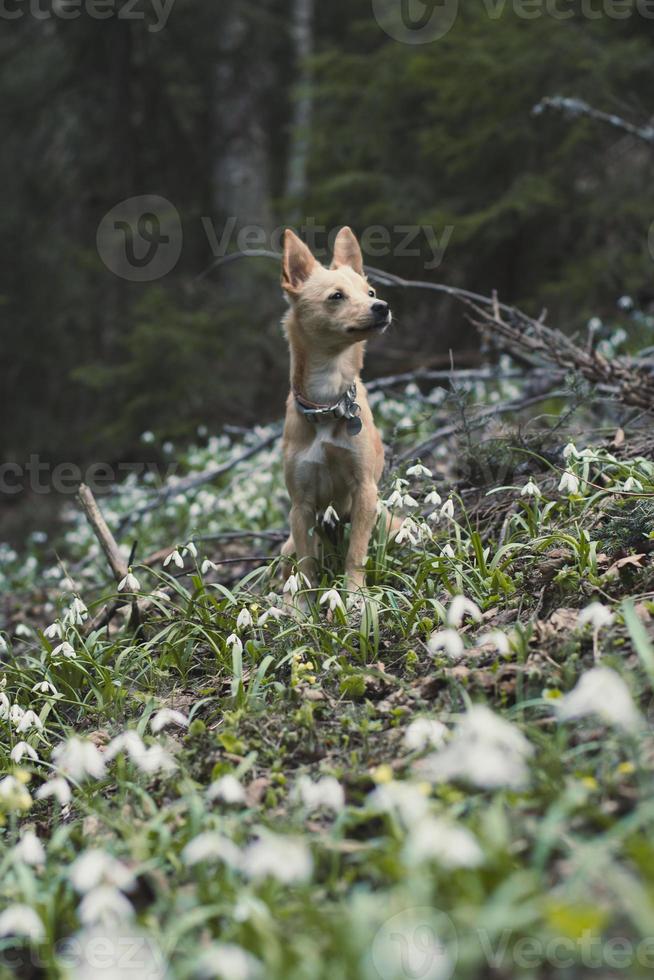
[575, 108]
[101, 530]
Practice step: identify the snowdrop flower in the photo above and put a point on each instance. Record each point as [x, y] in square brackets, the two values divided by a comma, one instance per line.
[29, 720]
[485, 750]
[211, 846]
[294, 583]
[22, 749]
[5, 706]
[244, 620]
[227, 789]
[53, 632]
[235, 644]
[95, 867]
[192, 550]
[287, 859]
[325, 794]
[435, 839]
[147, 437]
[57, 787]
[632, 484]
[3, 644]
[570, 451]
[409, 531]
[395, 500]
[597, 615]
[168, 716]
[44, 687]
[448, 551]
[272, 613]
[601, 691]
[21, 920]
[447, 510]
[409, 502]
[594, 324]
[208, 566]
[433, 499]
[332, 598]
[330, 517]
[175, 558]
[226, 961]
[424, 733]
[104, 904]
[399, 484]
[15, 714]
[406, 800]
[569, 483]
[13, 794]
[29, 849]
[129, 742]
[77, 612]
[498, 639]
[625, 303]
[419, 471]
[64, 650]
[447, 640]
[79, 758]
[530, 489]
[23, 630]
[129, 584]
[461, 607]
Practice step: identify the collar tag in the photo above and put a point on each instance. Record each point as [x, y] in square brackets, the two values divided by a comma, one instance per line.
[345, 408]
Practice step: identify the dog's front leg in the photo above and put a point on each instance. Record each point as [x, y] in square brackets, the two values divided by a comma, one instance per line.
[363, 517]
[303, 518]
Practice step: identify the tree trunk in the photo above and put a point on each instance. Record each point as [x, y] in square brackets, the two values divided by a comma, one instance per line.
[302, 30]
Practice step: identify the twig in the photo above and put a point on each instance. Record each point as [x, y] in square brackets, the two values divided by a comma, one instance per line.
[575, 108]
[101, 530]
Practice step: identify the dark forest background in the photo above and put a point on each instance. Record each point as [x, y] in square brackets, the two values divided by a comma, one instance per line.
[271, 113]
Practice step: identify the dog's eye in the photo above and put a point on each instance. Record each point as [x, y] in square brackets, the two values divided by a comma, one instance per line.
[371, 292]
[337, 295]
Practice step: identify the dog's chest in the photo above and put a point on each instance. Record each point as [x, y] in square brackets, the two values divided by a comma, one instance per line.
[325, 466]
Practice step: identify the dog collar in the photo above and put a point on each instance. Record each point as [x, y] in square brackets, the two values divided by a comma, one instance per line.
[345, 408]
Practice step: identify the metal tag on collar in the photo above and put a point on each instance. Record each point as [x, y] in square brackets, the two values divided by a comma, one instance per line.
[354, 425]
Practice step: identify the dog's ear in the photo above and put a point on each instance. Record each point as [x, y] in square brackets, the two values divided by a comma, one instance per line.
[347, 251]
[297, 263]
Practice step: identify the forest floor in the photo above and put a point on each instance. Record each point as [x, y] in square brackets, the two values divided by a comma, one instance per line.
[452, 779]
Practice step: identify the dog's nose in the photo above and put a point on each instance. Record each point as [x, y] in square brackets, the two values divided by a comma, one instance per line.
[380, 311]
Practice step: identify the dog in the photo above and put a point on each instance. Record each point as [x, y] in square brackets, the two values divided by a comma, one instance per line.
[333, 453]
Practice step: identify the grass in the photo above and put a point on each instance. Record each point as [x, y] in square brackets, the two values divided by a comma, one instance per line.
[321, 794]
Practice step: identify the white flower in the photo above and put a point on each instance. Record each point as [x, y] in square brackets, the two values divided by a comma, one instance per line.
[272, 613]
[22, 749]
[424, 733]
[330, 517]
[192, 550]
[530, 489]
[21, 920]
[64, 650]
[235, 644]
[435, 839]
[44, 687]
[406, 800]
[395, 500]
[485, 750]
[79, 758]
[287, 859]
[129, 584]
[498, 639]
[95, 867]
[569, 483]
[29, 720]
[625, 303]
[174, 557]
[29, 849]
[168, 716]
[77, 612]
[409, 502]
[23, 630]
[53, 632]
[208, 566]
[409, 531]
[448, 551]
[244, 619]
[460, 607]
[332, 598]
[326, 793]
[58, 788]
[104, 904]
[447, 510]
[13, 794]
[5, 705]
[3, 644]
[601, 691]
[433, 499]
[447, 640]
[154, 759]
[129, 742]
[597, 615]
[227, 789]
[294, 583]
[419, 471]
[570, 450]
[226, 961]
[147, 437]
[211, 846]
[15, 714]
[632, 484]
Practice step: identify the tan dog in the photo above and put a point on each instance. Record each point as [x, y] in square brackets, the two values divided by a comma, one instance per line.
[333, 454]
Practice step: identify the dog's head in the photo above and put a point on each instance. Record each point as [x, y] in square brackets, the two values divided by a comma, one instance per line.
[335, 307]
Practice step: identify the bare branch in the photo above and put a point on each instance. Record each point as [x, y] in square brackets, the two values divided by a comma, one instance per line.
[574, 108]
